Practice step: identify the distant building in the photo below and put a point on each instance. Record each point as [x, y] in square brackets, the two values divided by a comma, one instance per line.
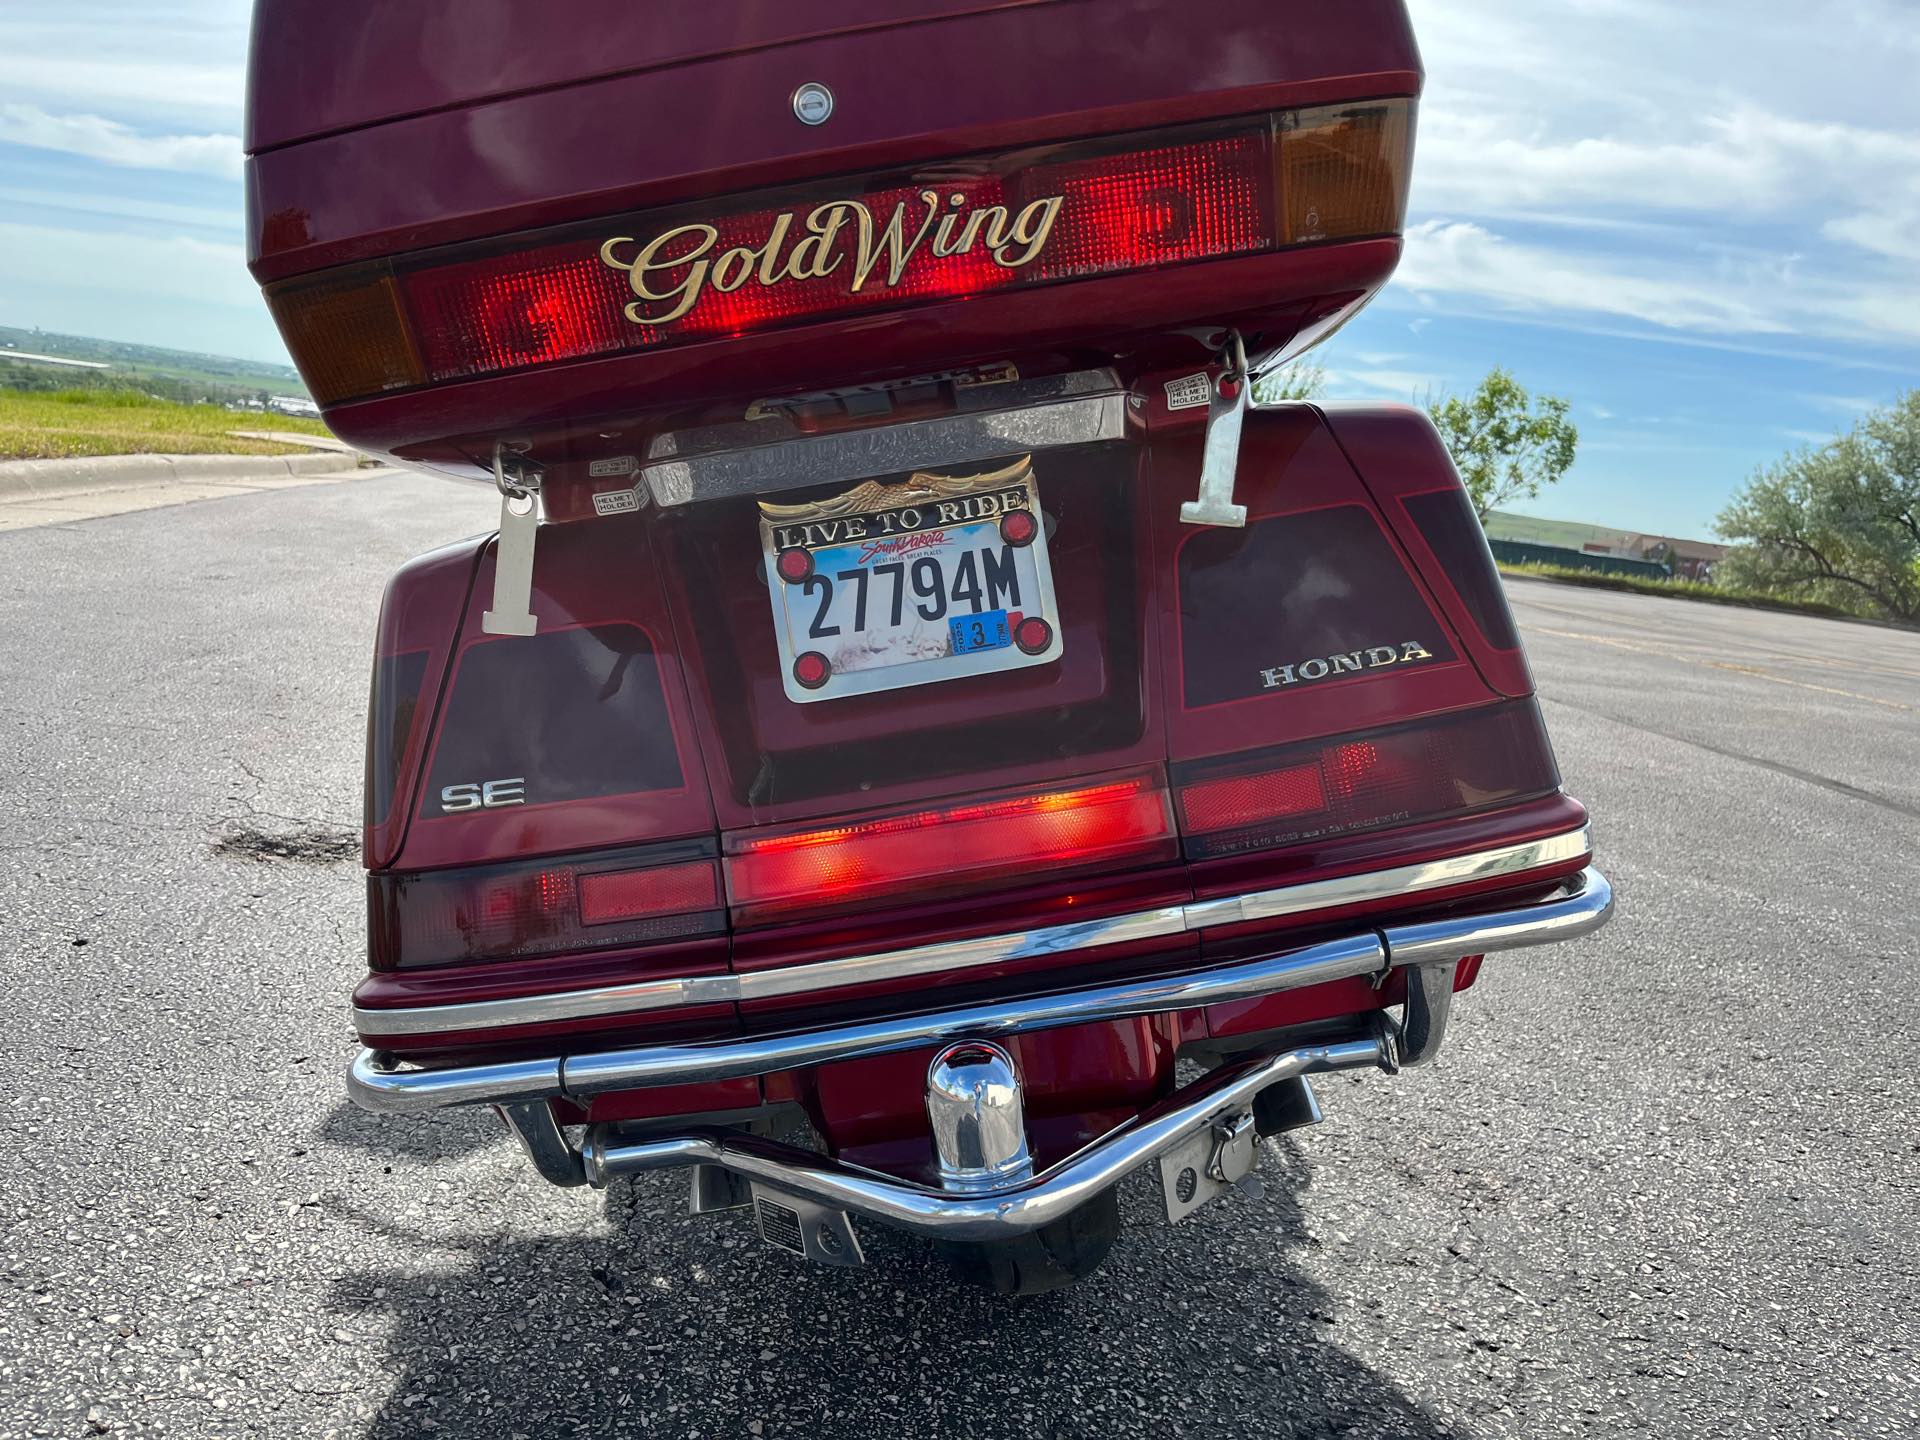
[1683, 559]
[1687, 559]
[9, 353]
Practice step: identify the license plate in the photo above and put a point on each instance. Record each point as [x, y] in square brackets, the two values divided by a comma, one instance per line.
[885, 586]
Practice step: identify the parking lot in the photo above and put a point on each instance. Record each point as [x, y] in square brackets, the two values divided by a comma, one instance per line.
[1664, 1181]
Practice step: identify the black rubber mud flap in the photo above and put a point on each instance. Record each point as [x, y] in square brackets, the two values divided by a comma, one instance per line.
[1049, 1258]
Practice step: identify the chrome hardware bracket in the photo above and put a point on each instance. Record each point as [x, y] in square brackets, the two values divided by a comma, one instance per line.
[1235, 1148]
[1290, 1105]
[1429, 1002]
[1232, 393]
[545, 1142]
[804, 1227]
[1221, 1155]
[772, 454]
[714, 1189]
[512, 611]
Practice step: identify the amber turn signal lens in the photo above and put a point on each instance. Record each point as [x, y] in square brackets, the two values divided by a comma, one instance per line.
[1343, 170]
[347, 334]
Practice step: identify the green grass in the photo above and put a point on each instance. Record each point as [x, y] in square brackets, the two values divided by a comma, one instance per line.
[1677, 590]
[56, 424]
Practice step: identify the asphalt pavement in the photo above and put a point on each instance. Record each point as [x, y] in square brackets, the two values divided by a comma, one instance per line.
[1665, 1181]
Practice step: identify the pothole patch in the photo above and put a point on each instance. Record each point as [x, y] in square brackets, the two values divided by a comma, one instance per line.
[300, 844]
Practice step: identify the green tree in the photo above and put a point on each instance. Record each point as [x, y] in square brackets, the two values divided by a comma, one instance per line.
[1507, 444]
[1840, 524]
[1297, 381]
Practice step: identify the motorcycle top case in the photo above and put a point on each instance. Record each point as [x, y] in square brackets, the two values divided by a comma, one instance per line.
[567, 231]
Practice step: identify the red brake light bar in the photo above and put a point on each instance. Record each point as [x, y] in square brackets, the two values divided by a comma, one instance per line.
[1454, 765]
[750, 263]
[955, 847]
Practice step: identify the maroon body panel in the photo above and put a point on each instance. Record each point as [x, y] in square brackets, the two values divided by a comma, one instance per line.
[510, 130]
[398, 60]
[690, 579]
[419, 617]
[439, 195]
[506, 133]
[1405, 465]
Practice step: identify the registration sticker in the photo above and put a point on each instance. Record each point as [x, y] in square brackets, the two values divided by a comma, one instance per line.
[933, 578]
[987, 631]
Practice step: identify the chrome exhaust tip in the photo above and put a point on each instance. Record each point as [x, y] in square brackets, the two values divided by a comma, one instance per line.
[978, 1114]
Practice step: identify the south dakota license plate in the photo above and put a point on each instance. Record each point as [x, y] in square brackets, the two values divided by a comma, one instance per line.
[885, 586]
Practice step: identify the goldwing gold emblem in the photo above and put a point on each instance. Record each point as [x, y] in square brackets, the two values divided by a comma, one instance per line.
[672, 271]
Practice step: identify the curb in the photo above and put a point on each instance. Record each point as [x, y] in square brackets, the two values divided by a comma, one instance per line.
[22, 478]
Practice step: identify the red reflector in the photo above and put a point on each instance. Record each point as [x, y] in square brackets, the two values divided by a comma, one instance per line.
[948, 848]
[812, 669]
[1238, 800]
[630, 894]
[1032, 634]
[1453, 765]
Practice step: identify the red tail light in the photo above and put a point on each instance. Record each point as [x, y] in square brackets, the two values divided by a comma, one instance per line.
[927, 851]
[969, 227]
[502, 912]
[1453, 765]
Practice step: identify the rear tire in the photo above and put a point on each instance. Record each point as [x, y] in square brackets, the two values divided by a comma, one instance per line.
[1049, 1258]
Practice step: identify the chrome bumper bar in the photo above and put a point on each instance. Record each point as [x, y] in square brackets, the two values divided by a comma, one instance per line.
[956, 957]
[1583, 904]
[1013, 1209]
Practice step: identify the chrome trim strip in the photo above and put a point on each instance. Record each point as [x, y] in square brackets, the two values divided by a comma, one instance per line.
[537, 1009]
[944, 956]
[1384, 884]
[931, 959]
[1584, 904]
[1008, 1210]
[770, 454]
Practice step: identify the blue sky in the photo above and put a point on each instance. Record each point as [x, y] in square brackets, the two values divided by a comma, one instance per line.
[1700, 221]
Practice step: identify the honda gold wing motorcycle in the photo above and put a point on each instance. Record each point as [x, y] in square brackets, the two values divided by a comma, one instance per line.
[925, 744]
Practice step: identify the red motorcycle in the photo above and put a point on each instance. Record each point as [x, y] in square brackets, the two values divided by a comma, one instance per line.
[917, 695]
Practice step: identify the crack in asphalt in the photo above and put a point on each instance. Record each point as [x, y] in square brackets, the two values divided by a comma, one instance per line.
[1778, 767]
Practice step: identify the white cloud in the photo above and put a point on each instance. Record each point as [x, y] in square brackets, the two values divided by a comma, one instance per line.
[162, 64]
[158, 290]
[118, 206]
[1449, 257]
[1718, 167]
[179, 266]
[1744, 161]
[156, 85]
[1892, 230]
[98, 138]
